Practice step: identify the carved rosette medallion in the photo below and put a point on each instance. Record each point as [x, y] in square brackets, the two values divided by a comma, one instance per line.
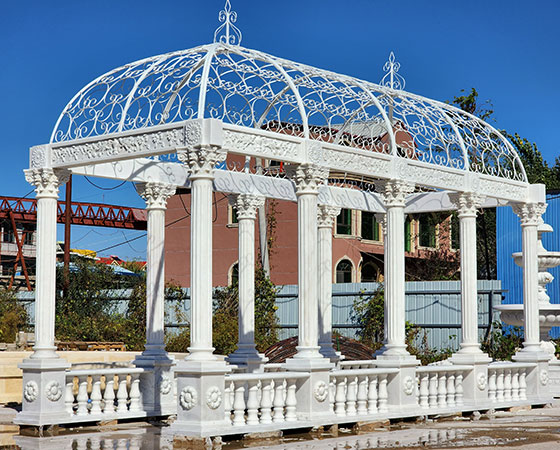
[307, 177]
[321, 391]
[394, 192]
[53, 391]
[193, 134]
[529, 214]
[326, 215]
[481, 382]
[165, 385]
[544, 377]
[408, 385]
[38, 156]
[30, 391]
[467, 203]
[214, 397]
[188, 397]
[155, 194]
[246, 205]
[46, 181]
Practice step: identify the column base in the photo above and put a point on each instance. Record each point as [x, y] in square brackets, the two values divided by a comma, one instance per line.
[201, 354]
[327, 350]
[307, 353]
[251, 360]
[393, 352]
[44, 385]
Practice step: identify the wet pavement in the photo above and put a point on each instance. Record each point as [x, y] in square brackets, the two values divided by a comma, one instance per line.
[534, 429]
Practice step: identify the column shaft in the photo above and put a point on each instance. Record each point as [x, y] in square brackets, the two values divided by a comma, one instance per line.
[530, 288]
[246, 267]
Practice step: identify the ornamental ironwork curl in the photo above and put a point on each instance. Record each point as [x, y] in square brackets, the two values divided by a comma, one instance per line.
[253, 89]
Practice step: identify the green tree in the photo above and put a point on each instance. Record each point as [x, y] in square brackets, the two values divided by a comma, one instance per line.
[13, 316]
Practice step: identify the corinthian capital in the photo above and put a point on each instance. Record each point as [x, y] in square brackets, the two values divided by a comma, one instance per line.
[155, 194]
[326, 215]
[46, 181]
[200, 162]
[307, 177]
[530, 214]
[394, 192]
[467, 203]
[246, 205]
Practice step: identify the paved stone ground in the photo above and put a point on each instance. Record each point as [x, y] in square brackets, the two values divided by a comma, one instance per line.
[537, 429]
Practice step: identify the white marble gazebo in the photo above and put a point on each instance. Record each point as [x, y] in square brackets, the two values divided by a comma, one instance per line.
[172, 120]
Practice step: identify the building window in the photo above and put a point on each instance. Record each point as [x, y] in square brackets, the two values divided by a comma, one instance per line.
[28, 237]
[234, 275]
[232, 216]
[370, 226]
[8, 235]
[426, 231]
[455, 232]
[344, 271]
[370, 273]
[407, 235]
[344, 222]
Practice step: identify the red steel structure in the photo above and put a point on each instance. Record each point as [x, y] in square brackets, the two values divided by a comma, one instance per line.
[19, 211]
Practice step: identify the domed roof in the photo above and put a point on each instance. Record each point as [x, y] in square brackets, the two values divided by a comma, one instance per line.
[253, 89]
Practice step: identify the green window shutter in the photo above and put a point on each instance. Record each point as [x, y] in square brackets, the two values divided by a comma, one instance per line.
[407, 235]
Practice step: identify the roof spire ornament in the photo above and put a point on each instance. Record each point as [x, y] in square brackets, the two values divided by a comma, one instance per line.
[227, 32]
[392, 79]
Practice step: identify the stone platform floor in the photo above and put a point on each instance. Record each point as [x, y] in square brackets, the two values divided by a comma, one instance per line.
[534, 429]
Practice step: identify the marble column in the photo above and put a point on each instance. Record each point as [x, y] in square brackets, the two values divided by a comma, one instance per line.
[467, 204]
[394, 193]
[246, 353]
[530, 216]
[156, 196]
[44, 373]
[326, 215]
[200, 163]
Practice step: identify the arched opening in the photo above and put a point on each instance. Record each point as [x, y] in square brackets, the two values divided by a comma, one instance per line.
[233, 275]
[369, 273]
[344, 271]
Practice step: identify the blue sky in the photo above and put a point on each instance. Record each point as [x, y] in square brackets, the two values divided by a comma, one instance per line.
[508, 50]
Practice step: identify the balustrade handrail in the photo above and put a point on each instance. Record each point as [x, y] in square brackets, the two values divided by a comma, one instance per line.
[510, 365]
[453, 368]
[369, 371]
[357, 362]
[266, 376]
[112, 371]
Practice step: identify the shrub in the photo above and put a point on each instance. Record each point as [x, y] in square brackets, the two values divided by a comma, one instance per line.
[13, 316]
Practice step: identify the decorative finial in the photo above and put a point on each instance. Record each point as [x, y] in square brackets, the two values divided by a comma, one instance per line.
[227, 32]
[392, 79]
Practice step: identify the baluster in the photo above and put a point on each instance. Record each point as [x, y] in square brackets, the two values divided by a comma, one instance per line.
[500, 386]
[239, 403]
[507, 385]
[383, 394]
[69, 396]
[252, 403]
[442, 390]
[523, 384]
[515, 385]
[278, 409]
[332, 393]
[266, 402]
[227, 401]
[492, 385]
[95, 394]
[424, 390]
[122, 395]
[351, 396]
[291, 401]
[372, 395]
[362, 394]
[109, 395]
[340, 397]
[82, 396]
[459, 389]
[450, 389]
[95, 443]
[135, 392]
[433, 389]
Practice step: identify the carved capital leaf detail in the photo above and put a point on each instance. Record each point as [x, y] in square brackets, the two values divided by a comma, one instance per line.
[46, 181]
[246, 205]
[394, 192]
[326, 215]
[467, 203]
[155, 194]
[530, 214]
[200, 162]
[307, 177]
